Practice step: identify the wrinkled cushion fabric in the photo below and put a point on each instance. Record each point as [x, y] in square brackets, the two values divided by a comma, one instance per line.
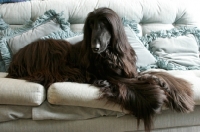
[77, 94]
[48, 111]
[14, 112]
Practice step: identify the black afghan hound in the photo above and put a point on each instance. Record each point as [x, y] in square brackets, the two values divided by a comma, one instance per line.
[103, 58]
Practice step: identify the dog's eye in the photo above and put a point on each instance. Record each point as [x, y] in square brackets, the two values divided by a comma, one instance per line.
[104, 24]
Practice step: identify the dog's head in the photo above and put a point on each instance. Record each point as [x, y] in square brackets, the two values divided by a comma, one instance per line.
[105, 38]
[102, 29]
[100, 35]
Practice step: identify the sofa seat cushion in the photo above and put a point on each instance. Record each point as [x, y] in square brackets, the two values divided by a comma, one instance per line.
[47, 111]
[3, 74]
[21, 92]
[77, 94]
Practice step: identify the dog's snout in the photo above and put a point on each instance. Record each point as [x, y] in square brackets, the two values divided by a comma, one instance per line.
[96, 47]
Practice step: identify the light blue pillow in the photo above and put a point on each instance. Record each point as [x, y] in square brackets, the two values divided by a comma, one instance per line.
[3, 50]
[15, 39]
[144, 58]
[2, 65]
[175, 49]
[130, 23]
[3, 26]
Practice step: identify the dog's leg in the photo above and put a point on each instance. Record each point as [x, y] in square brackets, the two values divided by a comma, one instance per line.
[152, 79]
[101, 83]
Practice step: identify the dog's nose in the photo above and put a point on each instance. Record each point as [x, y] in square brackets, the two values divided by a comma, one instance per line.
[95, 49]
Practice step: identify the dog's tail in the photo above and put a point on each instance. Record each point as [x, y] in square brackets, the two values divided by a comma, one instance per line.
[146, 95]
[179, 92]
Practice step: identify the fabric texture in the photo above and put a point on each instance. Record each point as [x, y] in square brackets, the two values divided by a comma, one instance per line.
[21, 92]
[3, 74]
[167, 122]
[14, 39]
[14, 112]
[3, 27]
[65, 112]
[175, 49]
[77, 94]
[144, 57]
[46, 111]
[75, 39]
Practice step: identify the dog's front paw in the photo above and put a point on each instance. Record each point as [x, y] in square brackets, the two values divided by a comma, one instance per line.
[152, 79]
[101, 83]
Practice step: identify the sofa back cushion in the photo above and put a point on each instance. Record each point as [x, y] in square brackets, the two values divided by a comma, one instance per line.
[150, 14]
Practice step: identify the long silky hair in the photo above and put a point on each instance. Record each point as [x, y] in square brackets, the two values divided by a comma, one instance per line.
[119, 44]
[113, 70]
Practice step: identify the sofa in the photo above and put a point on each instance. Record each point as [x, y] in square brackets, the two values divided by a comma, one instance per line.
[164, 34]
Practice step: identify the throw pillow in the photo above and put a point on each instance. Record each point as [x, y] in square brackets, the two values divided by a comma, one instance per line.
[3, 27]
[175, 49]
[15, 39]
[144, 57]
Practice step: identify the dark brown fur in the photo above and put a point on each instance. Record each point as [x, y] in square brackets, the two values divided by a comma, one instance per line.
[112, 68]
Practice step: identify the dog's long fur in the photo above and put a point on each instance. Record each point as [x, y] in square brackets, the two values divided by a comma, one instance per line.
[105, 59]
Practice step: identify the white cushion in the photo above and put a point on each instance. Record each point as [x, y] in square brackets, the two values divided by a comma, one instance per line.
[192, 76]
[76, 94]
[20, 13]
[3, 74]
[21, 92]
[182, 50]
